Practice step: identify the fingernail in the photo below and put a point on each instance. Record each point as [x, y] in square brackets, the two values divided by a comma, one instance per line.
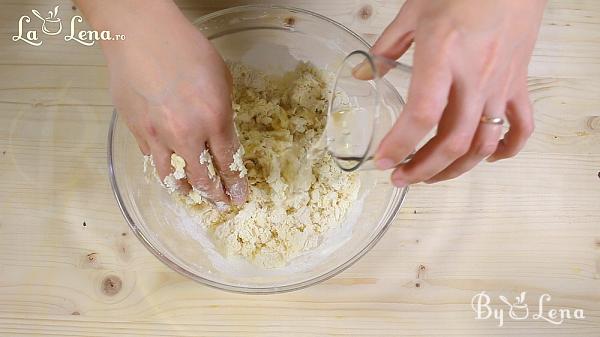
[363, 71]
[237, 192]
[239, 200]
[399, 182]
[491, 159]
[385, 163]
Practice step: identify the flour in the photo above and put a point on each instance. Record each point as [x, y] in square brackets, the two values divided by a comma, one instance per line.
[293, 200]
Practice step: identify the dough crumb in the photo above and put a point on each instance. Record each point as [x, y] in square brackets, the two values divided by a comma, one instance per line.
[206, 159]
[238, 162]
[178, 164]
[170, 183]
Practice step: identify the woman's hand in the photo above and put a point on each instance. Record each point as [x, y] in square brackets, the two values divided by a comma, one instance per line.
[174, 92]
[470, 62]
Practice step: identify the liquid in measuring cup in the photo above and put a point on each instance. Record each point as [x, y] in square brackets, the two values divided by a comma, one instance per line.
[338, 140]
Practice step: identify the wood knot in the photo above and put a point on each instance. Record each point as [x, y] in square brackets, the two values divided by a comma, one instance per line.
[91, 257]
[75, 313]
[289, 21]
[593, 123]
[111, 285]
[365, 12]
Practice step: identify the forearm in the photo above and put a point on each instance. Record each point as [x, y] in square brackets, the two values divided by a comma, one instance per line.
[110, 14]
[139, 20]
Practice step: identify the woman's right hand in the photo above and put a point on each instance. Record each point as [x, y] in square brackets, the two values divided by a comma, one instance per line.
[173, 90]
[470, 67]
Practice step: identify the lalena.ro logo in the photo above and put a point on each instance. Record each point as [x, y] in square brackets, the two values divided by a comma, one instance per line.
[52, 25]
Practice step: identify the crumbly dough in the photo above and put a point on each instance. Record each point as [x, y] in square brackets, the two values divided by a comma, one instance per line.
[294, 198]
[179, 164]
[206, 159]
[238, 162]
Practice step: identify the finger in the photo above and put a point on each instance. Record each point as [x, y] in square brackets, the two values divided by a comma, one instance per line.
[397, 36]
[427, 98]
[143, 145]
[519, 113]
[178, 167]
[391, 44]
[483, 145]
[228, 159]
[453, 139]
[137, 132]
[204, 181]
[129, 106]
[162, 161]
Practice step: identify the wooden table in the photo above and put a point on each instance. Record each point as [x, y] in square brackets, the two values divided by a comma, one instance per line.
[69, 265]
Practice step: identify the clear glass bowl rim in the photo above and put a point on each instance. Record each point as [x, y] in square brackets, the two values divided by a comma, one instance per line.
[227, 287]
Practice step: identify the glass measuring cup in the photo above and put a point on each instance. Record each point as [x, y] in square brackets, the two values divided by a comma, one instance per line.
[363, 107]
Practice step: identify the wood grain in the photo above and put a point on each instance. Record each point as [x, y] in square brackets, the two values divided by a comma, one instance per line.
[70, 267]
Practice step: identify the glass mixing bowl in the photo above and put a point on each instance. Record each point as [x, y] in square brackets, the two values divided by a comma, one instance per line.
[274, 39]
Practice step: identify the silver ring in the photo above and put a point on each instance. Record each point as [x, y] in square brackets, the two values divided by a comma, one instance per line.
[492, 120]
